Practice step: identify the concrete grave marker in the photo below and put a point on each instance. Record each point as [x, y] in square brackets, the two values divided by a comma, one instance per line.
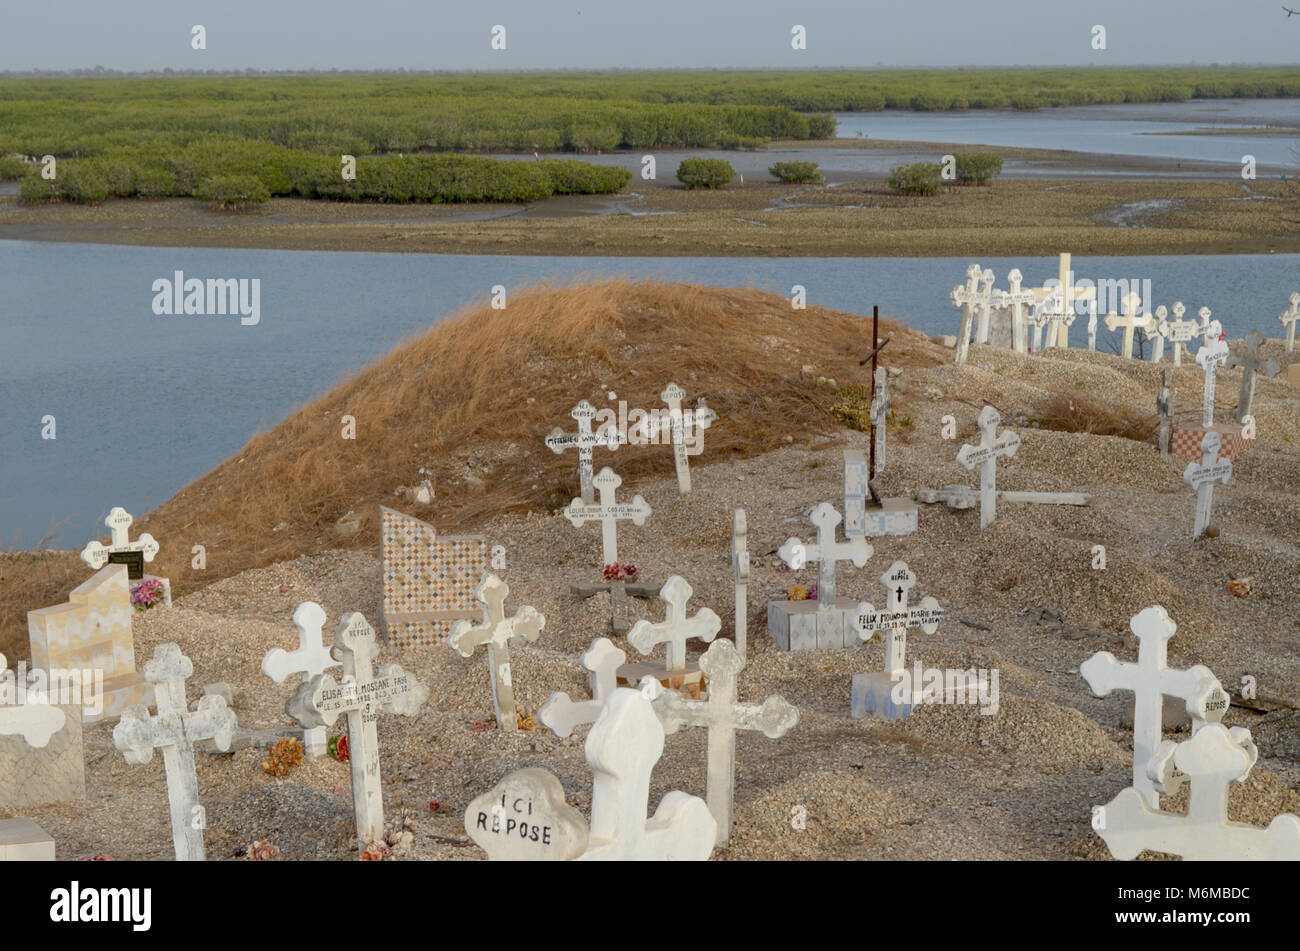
[1288, 320]
[1130, 320]
[962, 497]
[362, 697]
[36, 723]
[701, 419]
[311, 658]
[608, 512]
[622, 750]
[1149, 680]
[857, 489]
[585, 441]
[826, 622]
[676, 628]
[524, 818]
[1165, 409]
[560, 715]
[429, 579]
[175, 730]
[496, 632]
[1250, 364]
[1213, 759]
[975, 294]
[1179, 331]
[873, 694]
[1203, 475]
[740, 569]
[985, 455]
[22, 840]
[723, 715]
[42, 756]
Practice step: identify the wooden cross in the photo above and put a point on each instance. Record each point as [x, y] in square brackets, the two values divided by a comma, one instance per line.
[1250, 365]
[175, 730]
[1213, 759]
[986, 455]
[362, 696]
[676, 628]
[967, 298]
[826, 552]
[36, 723]
[1017, 300]
[740, 569]
[118, 521]
[560, 715]
[880, 406]
[1179, 331]
[608, 512]
[1211, 355]
[1059, 302]
[703, 417]
[622, 750]
[1130, 320]
[496, 631]
[585, 441]
[311, 658]
[1165, 409]
[1288, 320]
[1203, 475]
[723, 715]
[897, 617]
[1149, 680]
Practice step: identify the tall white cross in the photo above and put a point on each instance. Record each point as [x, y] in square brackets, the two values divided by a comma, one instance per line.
[1017, 300]
[826, 552]
[986, 455]
[1060, 300]
[1149, 680]
[1212, 354]
[740, 568]
[1179, 331]
[363, 697]
[1130, 320]
[880, 406]
[36, 723]
[560, 715]
[311, 658]
[976, 293]
[585, 441]
[1288, 320]
[608, 512]
[496, 631]
[175, 730]
[897, 617]
[702, 418]
[676, 628]
[622, 750]
[118, 521]
[1213, 759]
[723, 715]
[1202, 476]
[1250, 365]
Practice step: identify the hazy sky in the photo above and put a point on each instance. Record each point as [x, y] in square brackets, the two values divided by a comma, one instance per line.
[438, 34]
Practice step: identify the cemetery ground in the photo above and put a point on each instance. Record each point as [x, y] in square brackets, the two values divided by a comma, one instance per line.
[293, 517]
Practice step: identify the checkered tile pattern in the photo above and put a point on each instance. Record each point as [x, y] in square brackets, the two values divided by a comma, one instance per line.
[1186, 441]
[424, 573]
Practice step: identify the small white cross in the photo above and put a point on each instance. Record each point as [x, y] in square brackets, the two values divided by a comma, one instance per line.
[1154, 332]
[1288, 320]
[1130, 320]
[897, 617]
[585, 441]
[1179, 331]
[1017, 300]
[1149, 680]
[702, 418]
[311, 658]
[608, 512]
[118, 521]
[1203, 475]
[1212, 354]
[560, 715]
[986, 455]
[826, 553]
[676, 628]
[1250, 365]
[496, 631]
[968, 298]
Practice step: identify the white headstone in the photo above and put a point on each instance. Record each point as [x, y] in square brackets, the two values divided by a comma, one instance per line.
[608, 512]
[1130, 320]
[826, 552]
[36, 723]
[985, 455]
[585, 441]
[524, 818]
[723, 715]
[175, 730]
[496, 632]
[1150, 680]
[311, 658]
[1203, 475]
[118, 521]
[1288, 320]
[676, 628]
[560, 715]
[1250, 364]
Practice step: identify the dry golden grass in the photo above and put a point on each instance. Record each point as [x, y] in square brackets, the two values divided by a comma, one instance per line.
[1074, 413]
[471, 400]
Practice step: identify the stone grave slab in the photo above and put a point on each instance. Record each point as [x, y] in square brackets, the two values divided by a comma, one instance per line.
[524, 818]
[42, 757]
[22, 840]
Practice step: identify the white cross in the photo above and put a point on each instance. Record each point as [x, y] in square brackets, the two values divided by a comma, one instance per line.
[1149, 680]
[1212, 354]
[560, 715]
[1250, 365]
[1130, 320]
[1214, 758]
[676, 628]
[496, 631]
[1154, 331]
[702, 418]
[608, 512]
[1203, 475]
[36, 723]
[897, 617]
[175, 730]
[1288, 320]
[311, 658]
[986, 455]
[1017, 300]
[622, 750]
[977, 292]
[880, 406]
[362, 696]
[826, 552]
[723, 715]
[1063, 296]
[585, 441]
[118, 521]
[740, 568]
[1179, 331]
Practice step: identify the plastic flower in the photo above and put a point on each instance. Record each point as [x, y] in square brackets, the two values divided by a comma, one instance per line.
[812, 592]
[147, 593]
[338, 748]
[798, 593]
